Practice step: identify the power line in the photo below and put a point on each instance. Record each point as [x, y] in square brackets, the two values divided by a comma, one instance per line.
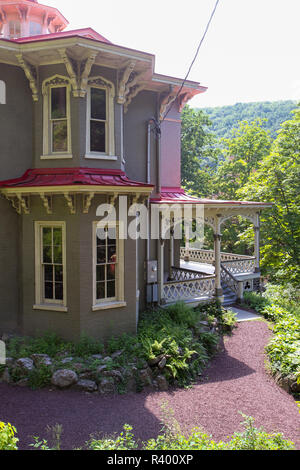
[196, 55]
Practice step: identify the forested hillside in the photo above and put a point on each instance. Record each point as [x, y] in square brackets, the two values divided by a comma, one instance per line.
[225, 118]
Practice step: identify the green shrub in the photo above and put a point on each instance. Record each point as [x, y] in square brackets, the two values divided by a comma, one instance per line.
[40, 377]
[8, 441]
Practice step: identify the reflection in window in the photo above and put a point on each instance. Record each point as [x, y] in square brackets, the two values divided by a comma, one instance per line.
[106, 264]
[2, 92]
[35, 28]
[52, 262]
[58, 117]
[14, 29]
[98, 120]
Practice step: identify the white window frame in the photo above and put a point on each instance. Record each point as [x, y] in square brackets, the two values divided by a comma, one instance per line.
[57, 81]
[109, 154]
[119, 300]
[40, 302]
[2, 92]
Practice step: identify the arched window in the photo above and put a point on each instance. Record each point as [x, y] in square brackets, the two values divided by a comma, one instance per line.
[2, 92]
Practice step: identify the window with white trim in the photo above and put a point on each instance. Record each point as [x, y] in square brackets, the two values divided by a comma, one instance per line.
[14, 29]
[50, 264]
[57, 119]
[2, 92]
[100, 119]
[108, 267]
[35, 28]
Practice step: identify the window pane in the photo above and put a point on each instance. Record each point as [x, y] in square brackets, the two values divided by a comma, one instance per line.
[100, 273]
[111, 289]
[59, 291]
[100, 290]
[47, 254]
[57, 255]
[14, 29]
[59, 136]
[101, 237]
[111, 272]
[57, 236]
[112, 254]
[98, 104]
[101, 255]
[112, 236]
[58, 103]
[47, 236]
[49, 290]
[97, 136]
[35, 28]
[58, 274]
[48, 272]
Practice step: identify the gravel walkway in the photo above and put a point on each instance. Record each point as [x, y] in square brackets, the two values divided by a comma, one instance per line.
[235, 381]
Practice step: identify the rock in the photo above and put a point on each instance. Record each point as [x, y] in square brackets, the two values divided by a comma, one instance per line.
[294, 386]
[5, 377]
[64, 378]
[155, 361]
[162, 363]
[23, 383]
[162, 383]
[97, 357]
[107, 385]
[86, 385]
[115, 374]
[41, 359]
[107, 359]
[67, 360]
[25, 364]
[117, 354]
[101, 369]
[88, 375]
[282, 381]
[145, 376]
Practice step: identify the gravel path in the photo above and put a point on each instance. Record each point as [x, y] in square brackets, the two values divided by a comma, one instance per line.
[235, 381]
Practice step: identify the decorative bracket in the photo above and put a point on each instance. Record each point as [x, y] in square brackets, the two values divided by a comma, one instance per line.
[47, 201]
[71, 201]
[183, 99]
[87, 201]
[15, 203]
[31, 73]
[78, 72]
[121, 97]
[112, 198]
[167, 99]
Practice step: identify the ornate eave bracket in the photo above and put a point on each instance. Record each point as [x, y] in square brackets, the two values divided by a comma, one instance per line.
[71, 202]
[123, 82]
[87, 201]
[183, 99]
[78, 71]
[20, 203]
[47, 202]
[31, 73]
[166, 101]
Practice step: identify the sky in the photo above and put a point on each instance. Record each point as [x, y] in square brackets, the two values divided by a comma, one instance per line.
[251, 52]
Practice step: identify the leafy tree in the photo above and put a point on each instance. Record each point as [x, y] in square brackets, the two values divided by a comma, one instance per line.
[277, 180]
[199, 153]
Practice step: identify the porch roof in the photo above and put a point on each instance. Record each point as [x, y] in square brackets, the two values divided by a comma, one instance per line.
[179, 196]
[55, 177]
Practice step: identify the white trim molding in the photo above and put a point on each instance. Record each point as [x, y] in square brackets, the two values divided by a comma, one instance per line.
[119, 300]
[55, 81]
[40, 302]
[108, 86]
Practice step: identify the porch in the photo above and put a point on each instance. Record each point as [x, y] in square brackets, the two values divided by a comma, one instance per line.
[196, 275]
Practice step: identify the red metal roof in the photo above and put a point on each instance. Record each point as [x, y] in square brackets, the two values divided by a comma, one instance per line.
[85, 33]
[72, 177]
[179, 196]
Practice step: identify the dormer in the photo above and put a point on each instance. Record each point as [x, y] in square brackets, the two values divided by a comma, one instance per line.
[26, 18]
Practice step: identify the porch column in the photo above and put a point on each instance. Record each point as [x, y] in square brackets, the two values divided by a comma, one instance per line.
[217, 237]
[187, 243]
[257, 243]
[171, 251]
[161, 280]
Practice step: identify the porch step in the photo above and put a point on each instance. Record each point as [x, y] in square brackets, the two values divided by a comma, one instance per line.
[229, 296]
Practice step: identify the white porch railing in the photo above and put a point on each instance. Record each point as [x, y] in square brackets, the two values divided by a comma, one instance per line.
[192, 289]
[181, 274]
[208, 256]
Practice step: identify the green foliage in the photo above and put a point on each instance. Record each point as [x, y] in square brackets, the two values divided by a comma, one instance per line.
[8, 441]
[277, 180]
[172, 438]
[280, 305]
[199, 156]
[40, 377]
[125, 441]
[226, 118]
